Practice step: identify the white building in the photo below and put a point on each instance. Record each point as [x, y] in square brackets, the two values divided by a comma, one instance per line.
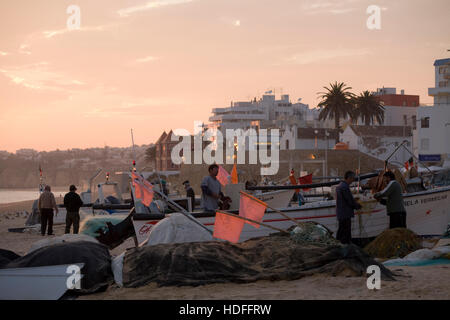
[434, 127]
[379, 141]
[247, 114]
[295, 138]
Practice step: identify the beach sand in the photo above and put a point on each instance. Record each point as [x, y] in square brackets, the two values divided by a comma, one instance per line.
[430, 282]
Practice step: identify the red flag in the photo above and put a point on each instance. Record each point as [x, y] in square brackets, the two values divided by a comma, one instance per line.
[406, 165]
[227, 227]
[40, 171]
[223, 176]
[251, 208]
[305, 180]
[143, 189]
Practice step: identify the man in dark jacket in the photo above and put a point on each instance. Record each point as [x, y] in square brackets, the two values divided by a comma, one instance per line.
[73, 203]
[345, 206]
[190, 193]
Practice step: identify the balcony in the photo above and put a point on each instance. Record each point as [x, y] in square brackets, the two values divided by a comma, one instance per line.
[440, 91]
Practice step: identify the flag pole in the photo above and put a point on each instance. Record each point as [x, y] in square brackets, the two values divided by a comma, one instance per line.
[250, 220]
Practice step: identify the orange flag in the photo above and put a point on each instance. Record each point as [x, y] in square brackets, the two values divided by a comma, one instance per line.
[227, 227]
[407, 165]
[234, 175]
[305, 180]
[143, 189]
[251, 208]
[223, 176]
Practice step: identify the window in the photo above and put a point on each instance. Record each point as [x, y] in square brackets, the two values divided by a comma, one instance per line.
[425, 144]
[425, 122]
[414, 122]
[405, 119]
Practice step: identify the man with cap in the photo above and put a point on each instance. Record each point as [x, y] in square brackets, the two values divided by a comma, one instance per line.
[73, 203]
[190, 193]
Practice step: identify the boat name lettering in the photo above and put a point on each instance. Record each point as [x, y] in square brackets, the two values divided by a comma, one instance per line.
[426, 200]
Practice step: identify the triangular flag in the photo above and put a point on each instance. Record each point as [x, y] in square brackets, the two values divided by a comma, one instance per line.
[227, 227]
[406, 165]
[305, 180]
[143, 189]
[251, 208]
[223, 176]
[234, 175]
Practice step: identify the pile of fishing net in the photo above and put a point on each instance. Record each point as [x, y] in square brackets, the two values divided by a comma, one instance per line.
[275, 257]
[97, 274]
[397, 242]
[312, 233]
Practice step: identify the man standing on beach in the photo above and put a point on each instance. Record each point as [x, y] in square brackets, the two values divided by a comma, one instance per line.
[345, 206]
[190, 193]
[46, 204]
[211, 189]
[73, 203]
[392, 198]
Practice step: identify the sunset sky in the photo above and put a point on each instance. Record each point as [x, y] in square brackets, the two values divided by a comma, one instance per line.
[153, 65]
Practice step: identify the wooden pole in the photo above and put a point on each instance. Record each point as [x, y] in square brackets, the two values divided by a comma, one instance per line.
[247, 219]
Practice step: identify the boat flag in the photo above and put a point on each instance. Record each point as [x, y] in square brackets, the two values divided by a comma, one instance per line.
[143, 189]
[227, 227]
[406, 165]
[305, 180]
[251, 208]
[293, 181]
[234, 175]
[40, 171]
[223, 176]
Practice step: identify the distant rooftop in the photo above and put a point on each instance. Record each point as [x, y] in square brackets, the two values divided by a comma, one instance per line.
[441, 62]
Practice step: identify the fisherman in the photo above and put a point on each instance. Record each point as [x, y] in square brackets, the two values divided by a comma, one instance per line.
[73, 203]
[392, 198]
[46, 204]
[211, 190]
[345, 206]
[190, 193]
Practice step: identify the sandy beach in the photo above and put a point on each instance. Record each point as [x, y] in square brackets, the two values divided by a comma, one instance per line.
[430, 282]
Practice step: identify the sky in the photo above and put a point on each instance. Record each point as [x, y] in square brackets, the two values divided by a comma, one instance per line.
[155, 65]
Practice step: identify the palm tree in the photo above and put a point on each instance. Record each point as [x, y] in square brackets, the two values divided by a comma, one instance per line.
[369, 108]
[337, 102]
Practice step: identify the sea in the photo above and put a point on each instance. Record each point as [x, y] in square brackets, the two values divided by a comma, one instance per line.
[16, 195]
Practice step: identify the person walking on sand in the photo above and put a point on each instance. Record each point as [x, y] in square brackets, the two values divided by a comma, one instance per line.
[392, 198]
[46, 204]
[345, 206]
[73, 203]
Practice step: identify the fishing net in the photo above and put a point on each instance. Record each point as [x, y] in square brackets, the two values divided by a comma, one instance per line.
[311, 233]
[397, 242]
[275, 257]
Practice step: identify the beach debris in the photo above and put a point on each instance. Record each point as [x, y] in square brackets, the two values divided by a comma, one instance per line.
[422, 257]
[97, 274]
[61, 239]
[177, 228]
[392, 243]
[274, 257]
[313, 233]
